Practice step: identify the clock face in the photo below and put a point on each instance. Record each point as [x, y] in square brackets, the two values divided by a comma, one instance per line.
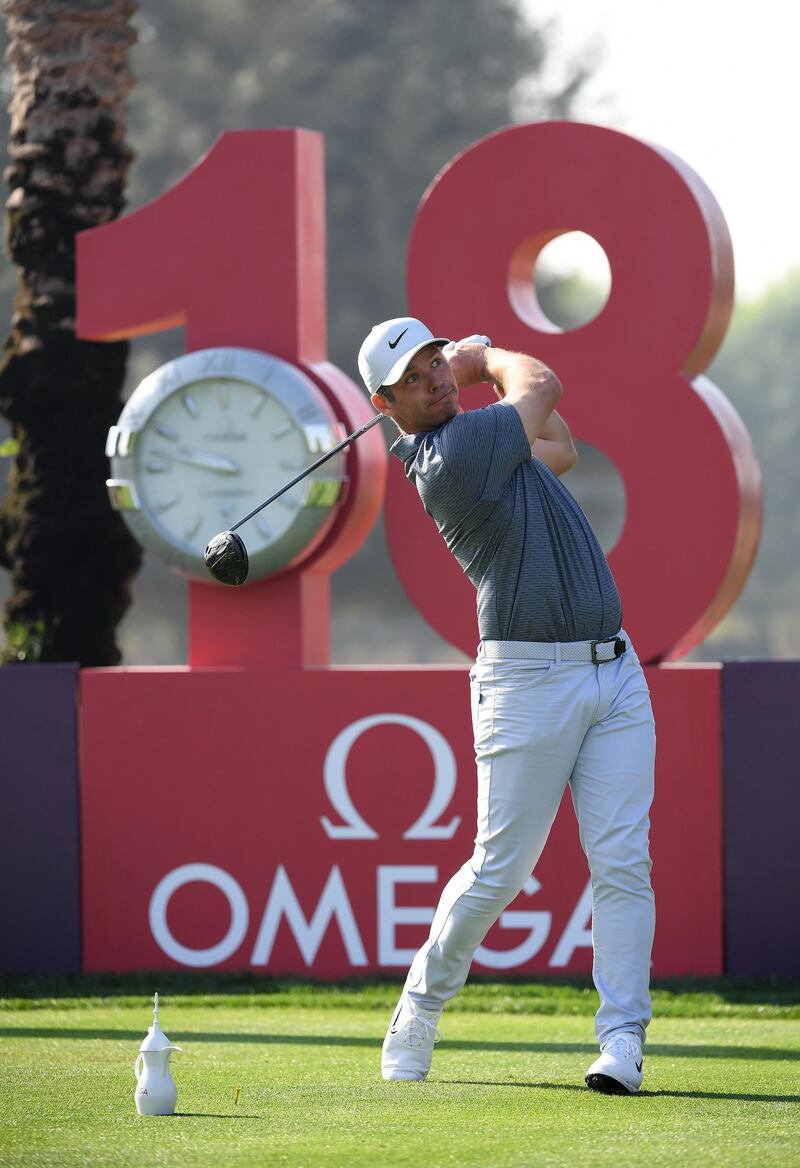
[213, 452]
[194, 454]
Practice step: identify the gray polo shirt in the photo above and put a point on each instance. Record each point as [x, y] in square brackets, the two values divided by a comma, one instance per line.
[514, 528]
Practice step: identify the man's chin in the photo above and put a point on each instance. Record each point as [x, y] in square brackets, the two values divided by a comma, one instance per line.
[442, 412]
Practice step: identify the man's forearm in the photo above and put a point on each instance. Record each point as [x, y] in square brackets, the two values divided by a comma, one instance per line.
[528, 384]
[504, 370]
[555, 429]
[552, 443]
[507, 371]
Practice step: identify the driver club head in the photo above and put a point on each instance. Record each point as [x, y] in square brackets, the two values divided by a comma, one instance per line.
[226, 558]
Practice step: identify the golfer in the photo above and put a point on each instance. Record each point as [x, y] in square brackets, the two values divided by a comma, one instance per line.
[558, 694]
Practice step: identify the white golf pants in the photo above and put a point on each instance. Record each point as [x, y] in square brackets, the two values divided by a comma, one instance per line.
[539, 725]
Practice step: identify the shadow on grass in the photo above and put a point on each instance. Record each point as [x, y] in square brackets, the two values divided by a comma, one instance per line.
[737, 1096]
[672, 1050]
[211, 1115]
[734, 990]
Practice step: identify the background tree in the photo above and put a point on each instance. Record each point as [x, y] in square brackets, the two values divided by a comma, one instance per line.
[70, 556]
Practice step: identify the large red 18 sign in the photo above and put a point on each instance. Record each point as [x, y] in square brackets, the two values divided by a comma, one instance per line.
[631, 376]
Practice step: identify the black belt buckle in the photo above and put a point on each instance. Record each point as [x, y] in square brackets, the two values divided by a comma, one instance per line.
[620, 645]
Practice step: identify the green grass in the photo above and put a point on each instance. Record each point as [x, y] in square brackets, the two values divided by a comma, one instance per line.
[721, 1087]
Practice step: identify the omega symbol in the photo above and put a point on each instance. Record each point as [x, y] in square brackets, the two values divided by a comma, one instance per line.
[444, 782]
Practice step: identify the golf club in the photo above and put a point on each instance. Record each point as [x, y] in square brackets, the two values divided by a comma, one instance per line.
[226, 555]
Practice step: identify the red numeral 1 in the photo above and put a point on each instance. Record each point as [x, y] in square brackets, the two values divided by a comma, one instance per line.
[235, 252]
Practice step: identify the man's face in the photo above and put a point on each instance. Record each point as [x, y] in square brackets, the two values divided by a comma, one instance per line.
[425, 397]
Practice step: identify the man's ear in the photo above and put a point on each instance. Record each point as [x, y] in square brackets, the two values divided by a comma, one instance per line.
[381, 404]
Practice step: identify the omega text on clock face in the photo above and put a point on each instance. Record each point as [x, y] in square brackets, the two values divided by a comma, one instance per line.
[210, 452]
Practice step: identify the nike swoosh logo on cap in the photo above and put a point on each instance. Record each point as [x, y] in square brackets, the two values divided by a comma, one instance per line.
[639, 1066]
[394, 344]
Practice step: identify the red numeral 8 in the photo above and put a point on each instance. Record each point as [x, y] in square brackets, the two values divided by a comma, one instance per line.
[630, 375]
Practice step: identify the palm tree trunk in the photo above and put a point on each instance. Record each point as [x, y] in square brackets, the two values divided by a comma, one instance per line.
[70, 556]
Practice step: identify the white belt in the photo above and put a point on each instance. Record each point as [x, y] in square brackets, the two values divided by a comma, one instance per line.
[596, 652]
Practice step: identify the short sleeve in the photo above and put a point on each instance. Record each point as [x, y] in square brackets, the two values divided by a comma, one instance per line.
[481, 449]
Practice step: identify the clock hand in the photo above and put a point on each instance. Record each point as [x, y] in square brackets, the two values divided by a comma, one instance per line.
[216, 462]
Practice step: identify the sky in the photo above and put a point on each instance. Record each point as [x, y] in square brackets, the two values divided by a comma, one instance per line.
[715, 81]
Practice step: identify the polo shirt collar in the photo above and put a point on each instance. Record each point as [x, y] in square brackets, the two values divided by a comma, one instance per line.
[407, 445]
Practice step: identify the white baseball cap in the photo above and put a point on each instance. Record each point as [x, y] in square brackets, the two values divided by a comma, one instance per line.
[386, 352]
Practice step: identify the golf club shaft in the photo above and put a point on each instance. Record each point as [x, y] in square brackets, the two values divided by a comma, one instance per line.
[329, 454]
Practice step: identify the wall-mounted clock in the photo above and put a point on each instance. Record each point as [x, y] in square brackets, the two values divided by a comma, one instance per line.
[205, 438]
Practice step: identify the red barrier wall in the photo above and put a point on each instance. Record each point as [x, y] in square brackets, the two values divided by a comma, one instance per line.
[234, 771]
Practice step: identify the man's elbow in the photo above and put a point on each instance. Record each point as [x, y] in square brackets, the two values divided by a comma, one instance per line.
[551, 385]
